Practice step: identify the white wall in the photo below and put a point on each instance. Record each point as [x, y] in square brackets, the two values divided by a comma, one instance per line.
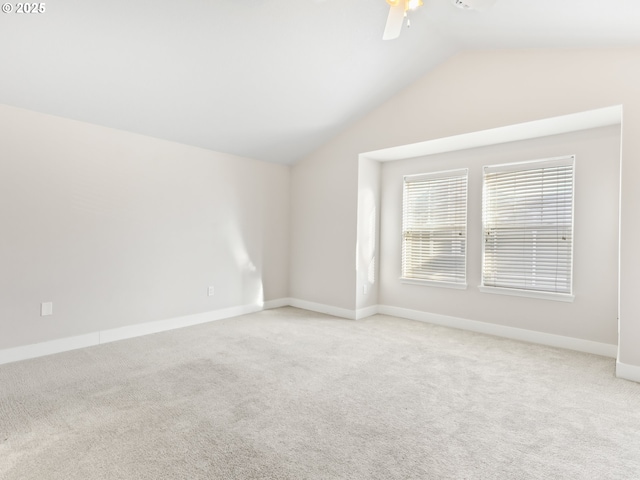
[593, 314]
[118, 229]
[367, 242]
[474, 91]
[324, 196]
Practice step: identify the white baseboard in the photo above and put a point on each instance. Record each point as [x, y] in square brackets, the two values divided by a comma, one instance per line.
[279, 302]
[25, 352]
[106, 336]
[628, 372]
[530, 336]
[367, 312]
[322, 308]
[335, 311]
[138, 330]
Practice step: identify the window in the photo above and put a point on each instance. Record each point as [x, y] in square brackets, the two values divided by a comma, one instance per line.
[528, 228]
[434, 228]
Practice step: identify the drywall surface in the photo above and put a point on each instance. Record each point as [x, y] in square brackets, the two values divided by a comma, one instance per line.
[324, 196]
[479, 90]
[117, 229]
[367, 244]
[593, 313]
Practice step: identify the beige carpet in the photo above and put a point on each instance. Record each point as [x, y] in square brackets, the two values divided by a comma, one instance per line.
[288, 394]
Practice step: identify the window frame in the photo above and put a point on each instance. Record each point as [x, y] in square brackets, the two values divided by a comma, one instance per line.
[523, 166]
[459, 172]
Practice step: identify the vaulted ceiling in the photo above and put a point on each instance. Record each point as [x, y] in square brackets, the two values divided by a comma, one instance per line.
[266, 79]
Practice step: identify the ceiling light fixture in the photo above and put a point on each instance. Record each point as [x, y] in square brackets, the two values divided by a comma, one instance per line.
[397, 13]
[398, 10]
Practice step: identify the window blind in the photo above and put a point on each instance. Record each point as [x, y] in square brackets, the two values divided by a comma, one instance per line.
[434, 227]
[528, 225]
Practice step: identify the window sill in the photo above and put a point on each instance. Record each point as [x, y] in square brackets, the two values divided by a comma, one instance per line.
[558, 297]
[431, 283]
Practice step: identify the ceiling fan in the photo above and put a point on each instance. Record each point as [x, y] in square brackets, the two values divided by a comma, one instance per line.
[398, 12]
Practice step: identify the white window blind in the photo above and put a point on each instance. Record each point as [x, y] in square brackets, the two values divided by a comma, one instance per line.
[528, 226]
[434, 227]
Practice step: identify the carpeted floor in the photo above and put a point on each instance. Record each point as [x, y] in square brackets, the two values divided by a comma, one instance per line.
[289, 394]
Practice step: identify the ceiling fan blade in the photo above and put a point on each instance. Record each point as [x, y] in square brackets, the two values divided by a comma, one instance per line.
[395, 20]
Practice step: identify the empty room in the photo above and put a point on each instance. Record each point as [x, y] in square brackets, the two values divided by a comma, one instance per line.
[318, 239]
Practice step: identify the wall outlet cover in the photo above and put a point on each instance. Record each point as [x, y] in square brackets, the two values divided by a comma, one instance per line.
[46, 308]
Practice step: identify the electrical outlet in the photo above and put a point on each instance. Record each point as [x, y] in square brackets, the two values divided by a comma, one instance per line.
[211, 291]
[365, 289]
[46, 309]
